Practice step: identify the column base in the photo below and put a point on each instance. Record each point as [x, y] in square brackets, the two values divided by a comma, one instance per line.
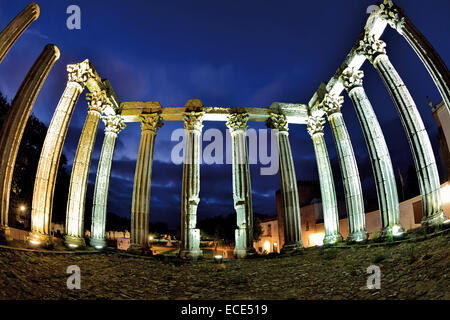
[332, 239]
[74, 242]
[5, 235]
[98, 244]
[358, 236]
[394, 231]
[191, 254]
[435, 220]
[292, 248]
[244, 253]
[36, 239]
[138, 249]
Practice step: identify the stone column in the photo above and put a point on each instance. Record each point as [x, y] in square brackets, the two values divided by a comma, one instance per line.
[418, 138]
[14, 126]
[190, 235]
[378, 152]
[242, 190]
[430, 58]
[142, 181]
[327, 189]
[17, 27]
[44, 184]
[80, 171]
[288, 183]
[332, 104]
[113, 125]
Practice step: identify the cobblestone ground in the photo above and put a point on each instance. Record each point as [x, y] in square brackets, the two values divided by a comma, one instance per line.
[419, 270]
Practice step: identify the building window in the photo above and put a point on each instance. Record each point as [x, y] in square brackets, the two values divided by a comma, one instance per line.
[307, 226]
[269, 230]
[418, 214]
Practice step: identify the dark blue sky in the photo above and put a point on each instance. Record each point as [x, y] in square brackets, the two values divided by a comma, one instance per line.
[226, 53]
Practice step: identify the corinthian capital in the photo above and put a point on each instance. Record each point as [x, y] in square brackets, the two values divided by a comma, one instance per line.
[151, 122]
[113, 124]
[193, 120]
[237, 121]
[392, 14]
[97, 100]
[352, 78]
[332, 103]
[371, 47]
[278, 121]
[315, 125]
[80, 72]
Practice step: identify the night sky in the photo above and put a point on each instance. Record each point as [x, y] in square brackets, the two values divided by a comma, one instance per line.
[226, 53]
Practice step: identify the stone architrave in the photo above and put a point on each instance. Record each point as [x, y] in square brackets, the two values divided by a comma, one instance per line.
[327, 189]
[44, 185]
[14, 126]
[142, 181]
[288, 183]
[78, 181]
[242, 191]
[113, 125]
[17, 27]
[438, 70]
[190, 234]
[419, 141]
[332, 104]
[378, 152]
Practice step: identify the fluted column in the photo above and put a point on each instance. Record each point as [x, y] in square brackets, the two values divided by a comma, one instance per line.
[417, 135]
[140, 208]
[430, 58]
[242, 190]
[378, 152]
[288, 183]
[17, 27]
[44, 184]
[327, 189]
[190, 235]
[78, 181]
[14, 126]
[113, 125]
[332, 104]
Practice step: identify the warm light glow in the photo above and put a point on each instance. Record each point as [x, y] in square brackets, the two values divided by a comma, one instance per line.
[73, 245]
[98, 247]
[396, 231]
[22, 208]
[150, 237]
[316, 239]
[445, 194]
[267, 246]
[218, 258]
[35, 242]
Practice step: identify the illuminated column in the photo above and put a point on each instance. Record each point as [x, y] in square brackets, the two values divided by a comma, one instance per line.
[329, 202]
[113, 125]
[288, 183]
[17, 27]
[44, 184]
[142, 181]
[190, 235]
[378, 152]
[418, 138]
[14, 126]
[430, 58]
[242, 190]
[332, 104]
[78, 181]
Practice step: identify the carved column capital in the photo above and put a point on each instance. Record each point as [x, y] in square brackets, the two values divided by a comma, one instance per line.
[332, 103]
[193, 120]
[392, 14]
[80, 72]
[352, 78]
[371, 47]
[237, 121]
[97, 101]
[315, 126]
[151, 122]
[113, 124]
[278, 121]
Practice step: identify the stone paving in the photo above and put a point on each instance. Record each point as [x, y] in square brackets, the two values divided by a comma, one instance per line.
[412, 270]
